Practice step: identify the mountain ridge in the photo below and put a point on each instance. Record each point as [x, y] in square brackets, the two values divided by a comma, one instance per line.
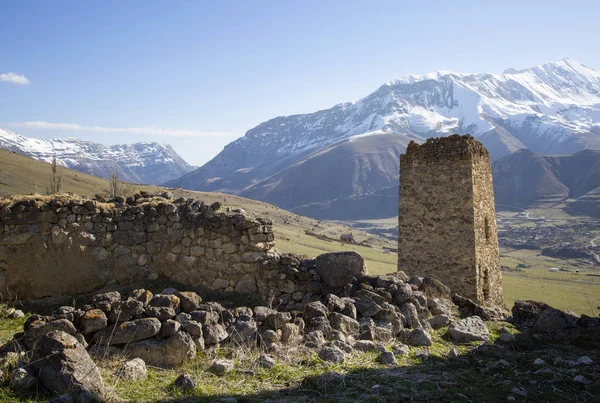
[551, 108]
[143, 162]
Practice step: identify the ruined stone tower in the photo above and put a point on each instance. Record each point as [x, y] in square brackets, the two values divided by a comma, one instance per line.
[447, 218]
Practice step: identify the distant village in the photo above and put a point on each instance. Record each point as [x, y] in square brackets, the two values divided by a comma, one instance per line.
[573, 240]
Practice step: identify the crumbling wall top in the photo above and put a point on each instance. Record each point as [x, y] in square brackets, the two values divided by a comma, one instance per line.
[455, 147]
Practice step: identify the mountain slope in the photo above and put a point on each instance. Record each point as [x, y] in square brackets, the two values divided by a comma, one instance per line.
[552, 108]
[353, 167]
[20, 174]
[151, 163]
[524, 178]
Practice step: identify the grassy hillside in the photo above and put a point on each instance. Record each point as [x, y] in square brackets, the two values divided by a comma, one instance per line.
[22, 175]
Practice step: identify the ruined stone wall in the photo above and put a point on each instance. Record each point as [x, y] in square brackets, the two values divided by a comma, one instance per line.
[65, 247]
[446, 198]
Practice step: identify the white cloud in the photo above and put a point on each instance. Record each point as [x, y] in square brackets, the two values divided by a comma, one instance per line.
[156, 131]
[14, 78]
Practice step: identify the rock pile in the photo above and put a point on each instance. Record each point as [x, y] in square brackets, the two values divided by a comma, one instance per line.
[168, 328]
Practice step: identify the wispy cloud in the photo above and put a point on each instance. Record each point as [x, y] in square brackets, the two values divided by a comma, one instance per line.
[14, 78]
[155, 131]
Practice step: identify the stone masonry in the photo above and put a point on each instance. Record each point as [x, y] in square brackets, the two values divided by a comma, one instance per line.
[68, 246]
[447, 218]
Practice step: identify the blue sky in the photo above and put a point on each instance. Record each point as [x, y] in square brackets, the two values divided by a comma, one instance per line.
[198, 74]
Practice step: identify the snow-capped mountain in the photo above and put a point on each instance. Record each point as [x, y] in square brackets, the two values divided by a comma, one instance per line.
[150, 163]
[551, 108]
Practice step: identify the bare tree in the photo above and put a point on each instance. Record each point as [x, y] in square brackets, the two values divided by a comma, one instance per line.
[55, 185]
[115, 184]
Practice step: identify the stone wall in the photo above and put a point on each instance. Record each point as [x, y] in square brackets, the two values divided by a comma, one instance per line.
[69, 246]
[447, 221]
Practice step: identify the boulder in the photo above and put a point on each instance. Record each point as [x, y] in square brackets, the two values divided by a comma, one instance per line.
[387, 358]
[16, 314]
[168, 328]
[275, 321]
[332, 354]
[469, 329]
[365, 345]
[106, 300]
[128, 332]
[244, 332]
[134, 370]
[184, 382]
[37, 329]
[409, 311]
[261, 313]
[142, 295]
[214, 334]
[126, 310]
[193, 328]
[553, 321]
[439, 321]
[160, 312]
[268, 336]
[525, 313]
[92, 321]
[334, 303]
[189, 301]
[367, 307]
[403, 294]
[165, 300]
[339, 268]
[290, 332]
[63, 365]
[419, 337]
[165, 353]
[315, 309]
[314, 339]
[221, 367]
[401, 349]
[320, 323]
[343, 323]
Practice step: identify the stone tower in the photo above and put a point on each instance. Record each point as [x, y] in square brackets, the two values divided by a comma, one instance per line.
[447, 218]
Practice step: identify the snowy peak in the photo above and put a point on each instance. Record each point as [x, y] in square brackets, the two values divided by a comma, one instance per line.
[542, 107]
[145, 162]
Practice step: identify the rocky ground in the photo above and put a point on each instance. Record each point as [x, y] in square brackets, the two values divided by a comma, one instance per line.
[384, 338]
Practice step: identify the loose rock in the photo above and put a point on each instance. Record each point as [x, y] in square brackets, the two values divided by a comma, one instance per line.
[184, 382]
[221, 367]
[469, 329]
[387, 358]
[63, 365]
[332, 354]
[418, 337]
[134, 370]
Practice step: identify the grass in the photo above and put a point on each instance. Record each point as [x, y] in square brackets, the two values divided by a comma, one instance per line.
[23, 175]
[488, 372]
[578, 297]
